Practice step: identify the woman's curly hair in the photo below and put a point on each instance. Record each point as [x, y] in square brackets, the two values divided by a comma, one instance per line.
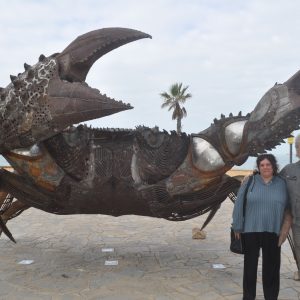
[271, 158]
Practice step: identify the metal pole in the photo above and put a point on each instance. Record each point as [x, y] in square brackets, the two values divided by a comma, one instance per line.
[290, 140]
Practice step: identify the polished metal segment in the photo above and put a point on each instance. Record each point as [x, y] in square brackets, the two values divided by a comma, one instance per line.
[205, 156]
[30, 151]
[275, 100]
[134, 170]
[233, 136]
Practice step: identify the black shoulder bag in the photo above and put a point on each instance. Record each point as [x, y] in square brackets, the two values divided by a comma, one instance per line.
[237, 245]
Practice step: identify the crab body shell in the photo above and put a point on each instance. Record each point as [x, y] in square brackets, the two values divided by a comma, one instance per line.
[63, 169]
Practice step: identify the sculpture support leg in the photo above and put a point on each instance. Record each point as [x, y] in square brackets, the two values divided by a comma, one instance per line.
[15, 209]
[29, 193]
[3, 195]
[9, 210]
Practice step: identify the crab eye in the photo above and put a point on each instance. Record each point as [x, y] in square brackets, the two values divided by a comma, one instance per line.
[205, 156]
[233, 136]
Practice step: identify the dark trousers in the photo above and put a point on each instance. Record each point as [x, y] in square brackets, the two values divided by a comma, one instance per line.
[270, 264]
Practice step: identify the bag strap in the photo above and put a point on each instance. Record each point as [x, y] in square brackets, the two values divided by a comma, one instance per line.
[245, 197]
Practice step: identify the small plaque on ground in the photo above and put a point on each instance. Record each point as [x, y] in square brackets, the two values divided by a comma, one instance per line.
[111, 263]
[26, 262]
[218, 266]
[108, 249]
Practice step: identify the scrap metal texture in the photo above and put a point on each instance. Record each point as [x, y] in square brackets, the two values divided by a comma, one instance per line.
[64, 169]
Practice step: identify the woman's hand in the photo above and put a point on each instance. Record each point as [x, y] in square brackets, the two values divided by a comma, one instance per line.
[237, 235]
[245, 179]
[285, 228]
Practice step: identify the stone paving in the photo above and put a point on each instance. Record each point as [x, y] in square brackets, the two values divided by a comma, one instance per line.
[157, 259]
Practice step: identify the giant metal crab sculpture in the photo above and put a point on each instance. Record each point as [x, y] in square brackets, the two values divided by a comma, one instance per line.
[64, 169]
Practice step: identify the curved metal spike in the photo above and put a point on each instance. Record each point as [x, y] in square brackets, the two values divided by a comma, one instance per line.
[26, 67]
[13, 78]
[76, 60]
[210, 215]
[230, 115]
[16, 83]
[215, 120]
[6, 231]
[42, 57]
[30, 74]
[240, 114]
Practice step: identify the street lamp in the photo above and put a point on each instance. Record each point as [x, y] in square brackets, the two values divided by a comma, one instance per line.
[290, 140]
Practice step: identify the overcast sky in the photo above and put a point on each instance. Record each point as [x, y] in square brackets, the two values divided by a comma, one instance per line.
[229, 53]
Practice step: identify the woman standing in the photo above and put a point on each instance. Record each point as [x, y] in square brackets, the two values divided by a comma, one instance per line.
[267, 200]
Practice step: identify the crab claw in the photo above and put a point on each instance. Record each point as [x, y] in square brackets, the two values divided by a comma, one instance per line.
[52, 94]
[72, 103]
[274, 118]
[77, 59]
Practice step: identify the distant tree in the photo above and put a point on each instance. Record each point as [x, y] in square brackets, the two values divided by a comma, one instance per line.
[173, 100]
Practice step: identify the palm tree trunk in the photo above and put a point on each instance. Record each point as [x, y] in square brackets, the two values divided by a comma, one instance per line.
[178, 125]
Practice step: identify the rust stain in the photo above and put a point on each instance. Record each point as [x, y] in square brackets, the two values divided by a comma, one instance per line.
[43, 170]
[45, 185]
[2, 196]
[35, 171]
[51, 168]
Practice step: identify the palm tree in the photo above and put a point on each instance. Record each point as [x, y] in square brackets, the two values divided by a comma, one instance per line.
[176, 96]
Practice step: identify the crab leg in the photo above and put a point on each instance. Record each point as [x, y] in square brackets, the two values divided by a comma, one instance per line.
[15, 208]
[3, 195]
